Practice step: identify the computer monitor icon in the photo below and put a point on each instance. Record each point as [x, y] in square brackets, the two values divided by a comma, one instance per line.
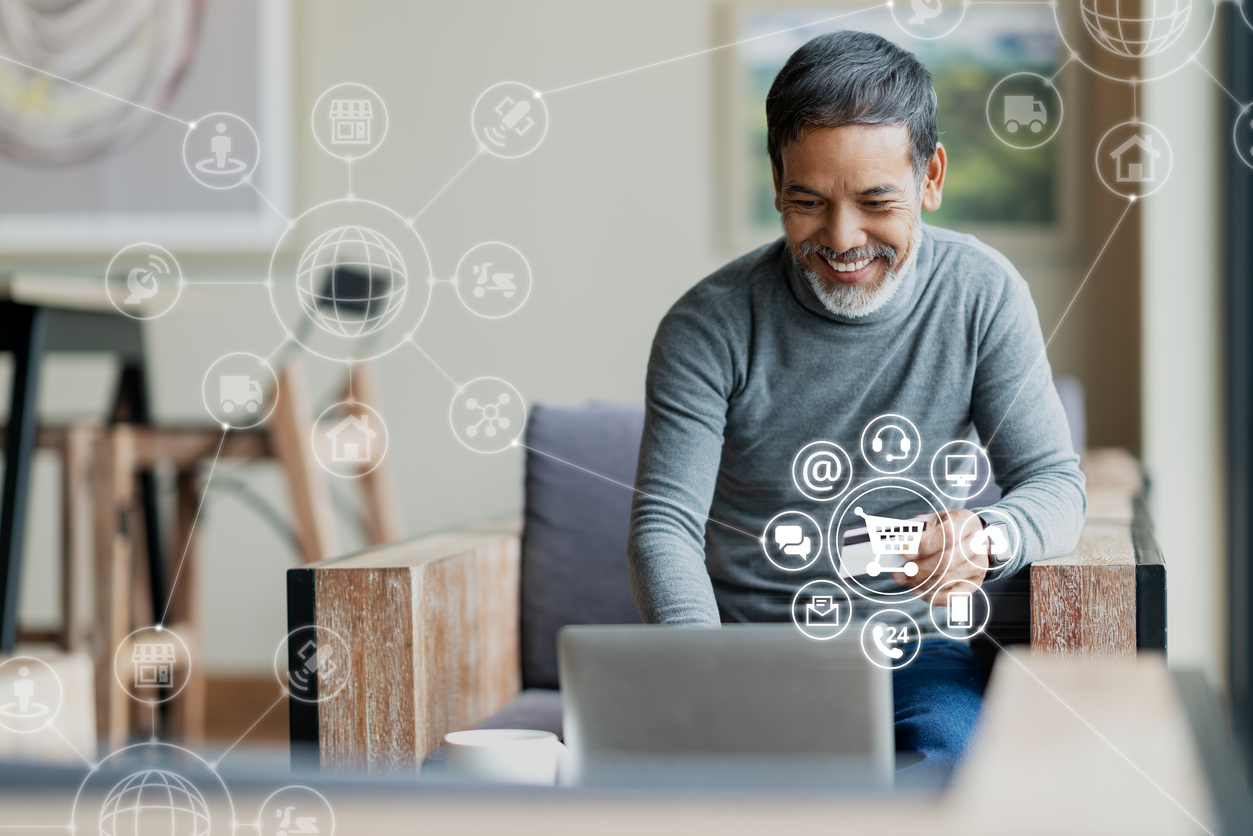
[961, 470]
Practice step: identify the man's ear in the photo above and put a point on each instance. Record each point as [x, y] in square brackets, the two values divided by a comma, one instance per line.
[778, 192]
[933, 179]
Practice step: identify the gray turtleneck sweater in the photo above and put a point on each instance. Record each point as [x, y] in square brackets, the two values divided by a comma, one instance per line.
[748, 367]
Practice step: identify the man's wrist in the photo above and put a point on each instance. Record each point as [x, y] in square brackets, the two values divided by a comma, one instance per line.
[988, 522]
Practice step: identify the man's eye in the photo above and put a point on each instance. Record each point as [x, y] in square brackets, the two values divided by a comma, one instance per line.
[877, 204]
[808, 204]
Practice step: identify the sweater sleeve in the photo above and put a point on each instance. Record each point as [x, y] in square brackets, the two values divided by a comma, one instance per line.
[1019, 417]
[687, 389]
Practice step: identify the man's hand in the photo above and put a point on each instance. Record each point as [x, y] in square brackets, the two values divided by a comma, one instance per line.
[942, 559]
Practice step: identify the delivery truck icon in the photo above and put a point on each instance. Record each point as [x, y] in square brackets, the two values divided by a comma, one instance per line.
[239, 390]
[1025, 110]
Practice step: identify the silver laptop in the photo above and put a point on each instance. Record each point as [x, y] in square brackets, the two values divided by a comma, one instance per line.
[742, 706]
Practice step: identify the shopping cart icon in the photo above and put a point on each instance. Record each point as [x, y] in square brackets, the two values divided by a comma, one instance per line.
[889, 536]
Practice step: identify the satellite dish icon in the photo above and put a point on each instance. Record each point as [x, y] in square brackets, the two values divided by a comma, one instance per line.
[142, 281]
[511, 121]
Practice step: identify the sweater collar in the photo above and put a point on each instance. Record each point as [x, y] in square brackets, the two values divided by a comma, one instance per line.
[919, 265]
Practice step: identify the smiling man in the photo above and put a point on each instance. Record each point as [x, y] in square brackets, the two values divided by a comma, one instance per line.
[860, 310]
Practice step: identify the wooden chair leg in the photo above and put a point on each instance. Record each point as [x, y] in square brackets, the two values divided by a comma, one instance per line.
[114, 480]
[291, 429]
[380, 502]
[77, 452]
[187, 712]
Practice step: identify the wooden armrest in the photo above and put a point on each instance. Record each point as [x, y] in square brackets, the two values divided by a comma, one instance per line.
[432, 629]
[1108, 596]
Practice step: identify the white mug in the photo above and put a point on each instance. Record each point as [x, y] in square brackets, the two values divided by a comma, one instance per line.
[504, 756]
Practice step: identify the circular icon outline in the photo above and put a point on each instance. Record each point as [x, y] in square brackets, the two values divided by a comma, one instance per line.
[1076, 55]
[301, 787]
[994, 570]
[96, 768]
[765, 537]
[945, 34]
[970, 632]
[474, 129]
[1246, 112]
[835, 551]
[245, 173]
[987, 469]
[50, 714]
[839, 588]
[915, 442]
[204, 391]
[530, 283]
[1100, 173]
[346, 656]
[126, 642]
[108, 283]
[313, 121]
[1061, 114]
[871, 620]
[352, 405]
[353, 342]
[846, 476]
[452, 419]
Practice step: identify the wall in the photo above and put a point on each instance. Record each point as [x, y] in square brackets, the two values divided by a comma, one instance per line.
[1182, 296]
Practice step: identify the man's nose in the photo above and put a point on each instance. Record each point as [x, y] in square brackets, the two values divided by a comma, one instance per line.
[845, 231]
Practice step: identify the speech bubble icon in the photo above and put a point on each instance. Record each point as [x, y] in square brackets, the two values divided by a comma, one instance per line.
[787, 535]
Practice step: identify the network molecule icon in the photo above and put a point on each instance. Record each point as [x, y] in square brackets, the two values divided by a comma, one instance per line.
[490, 414]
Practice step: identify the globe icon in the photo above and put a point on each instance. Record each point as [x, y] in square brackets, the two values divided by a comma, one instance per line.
[351, 281]
[1136, 30]
[154, 801]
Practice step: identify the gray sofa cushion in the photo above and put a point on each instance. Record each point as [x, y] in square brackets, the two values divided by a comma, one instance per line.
[574, 564]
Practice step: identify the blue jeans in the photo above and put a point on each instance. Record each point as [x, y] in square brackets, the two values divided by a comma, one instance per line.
[936, 698]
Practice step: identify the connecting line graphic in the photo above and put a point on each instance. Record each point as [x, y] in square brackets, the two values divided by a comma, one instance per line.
[221, 758]
[1221, 86]
[713, 49]
[477, 154]
[348, 162]
[440, 368]
[1044, 349]
[191, 531]
[1064, 65]
[96, 90]
[641, 493]
[1103, 738]
[280, 346]
[278, 211]
[259, 282]
[86, 760]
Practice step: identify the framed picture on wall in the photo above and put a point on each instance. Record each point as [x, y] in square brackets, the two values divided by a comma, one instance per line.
[96, 101]
[1009, 196]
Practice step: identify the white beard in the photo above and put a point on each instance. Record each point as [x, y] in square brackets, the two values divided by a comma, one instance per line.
[854, 301]
[857, 301]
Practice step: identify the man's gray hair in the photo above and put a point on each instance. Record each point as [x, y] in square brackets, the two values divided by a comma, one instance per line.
[852, 78]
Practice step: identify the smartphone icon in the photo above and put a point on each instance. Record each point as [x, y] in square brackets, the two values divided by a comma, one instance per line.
[959, 605]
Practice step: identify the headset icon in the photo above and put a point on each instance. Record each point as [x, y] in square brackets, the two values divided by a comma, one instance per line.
[876, 444]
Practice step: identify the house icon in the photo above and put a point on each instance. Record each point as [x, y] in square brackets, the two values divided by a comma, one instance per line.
[1137, 167]
[350, 439]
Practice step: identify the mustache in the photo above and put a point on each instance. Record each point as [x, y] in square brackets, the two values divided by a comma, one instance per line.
[808, 248]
